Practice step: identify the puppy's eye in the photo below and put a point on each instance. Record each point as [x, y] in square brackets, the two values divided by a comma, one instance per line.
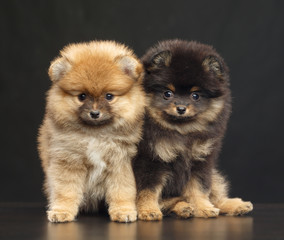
[109, 96]
[168, 94]
[195, 96]
[82, 97]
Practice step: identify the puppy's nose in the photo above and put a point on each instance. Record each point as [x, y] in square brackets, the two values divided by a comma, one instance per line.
[181, 110]
[95, 114]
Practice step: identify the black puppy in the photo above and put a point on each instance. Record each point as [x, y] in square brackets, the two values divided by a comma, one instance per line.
[189, 103]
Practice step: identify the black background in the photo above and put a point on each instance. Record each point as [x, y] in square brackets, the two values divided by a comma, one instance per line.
[248, 34]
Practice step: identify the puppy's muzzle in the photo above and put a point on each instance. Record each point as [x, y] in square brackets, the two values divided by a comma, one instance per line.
[181, 110]
[95, 114]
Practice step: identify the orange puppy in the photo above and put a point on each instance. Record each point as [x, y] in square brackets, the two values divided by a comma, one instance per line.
[92, 125]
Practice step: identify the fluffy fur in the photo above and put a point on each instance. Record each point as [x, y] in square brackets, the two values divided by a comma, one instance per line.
[189, 103]
[91, 129]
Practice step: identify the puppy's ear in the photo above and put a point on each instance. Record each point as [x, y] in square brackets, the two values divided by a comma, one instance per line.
[159, 60]
[58, 68]
[212, 63]
[130, 66]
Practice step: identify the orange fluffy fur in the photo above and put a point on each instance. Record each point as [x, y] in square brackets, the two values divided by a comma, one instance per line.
[84, 164]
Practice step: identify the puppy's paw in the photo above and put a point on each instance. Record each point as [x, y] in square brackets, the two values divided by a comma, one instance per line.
[150, 214]
[242, 209]
[183, 210]
[123, 215]
[58, 216]
[207, 212]
[235, 207]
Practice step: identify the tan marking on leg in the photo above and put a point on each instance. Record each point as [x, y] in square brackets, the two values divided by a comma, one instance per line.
[200, 200]
[148, 205]
[183, 209]
[234, 207]
[219, 197]
[167, 204]
[178, 206]
[219, 187]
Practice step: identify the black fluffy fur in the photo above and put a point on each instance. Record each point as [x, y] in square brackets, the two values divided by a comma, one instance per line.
[185, 70]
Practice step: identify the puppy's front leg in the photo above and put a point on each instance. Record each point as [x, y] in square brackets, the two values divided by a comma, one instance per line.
[198, 190]
[121, 194]
[64, 186]
[150, 181]
[148, 204]
[198, 196]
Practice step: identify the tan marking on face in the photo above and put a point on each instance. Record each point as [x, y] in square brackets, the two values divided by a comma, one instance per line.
[215, 107]
[199, 125]
[171, 87]
[184, 129]
[195, 89]
[172, 110]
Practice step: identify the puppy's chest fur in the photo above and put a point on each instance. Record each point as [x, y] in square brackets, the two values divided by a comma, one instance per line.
[102, 159]
[103, 155]
[95, 160]
[179, 154]
[170, 148]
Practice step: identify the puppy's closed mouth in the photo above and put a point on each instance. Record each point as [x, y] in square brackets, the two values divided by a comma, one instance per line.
[177, 119]
[96, 122]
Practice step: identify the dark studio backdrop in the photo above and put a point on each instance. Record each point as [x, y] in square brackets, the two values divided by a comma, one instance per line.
[248, 34]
